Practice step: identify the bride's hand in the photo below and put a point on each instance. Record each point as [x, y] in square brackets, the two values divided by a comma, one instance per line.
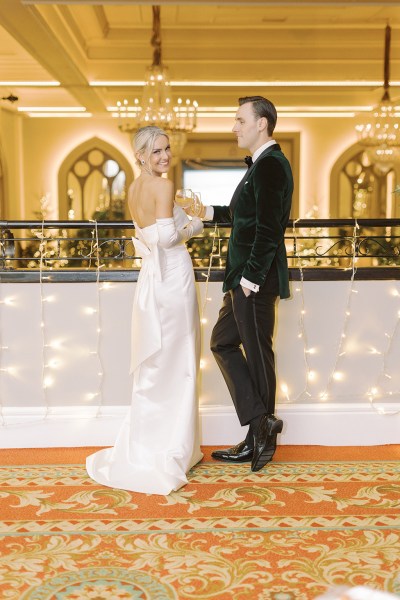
[201, 212]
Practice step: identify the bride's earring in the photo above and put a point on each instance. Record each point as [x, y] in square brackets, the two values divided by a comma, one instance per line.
[142, 161]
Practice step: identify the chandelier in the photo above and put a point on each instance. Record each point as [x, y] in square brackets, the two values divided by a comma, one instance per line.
[157, 107]
[380, 133]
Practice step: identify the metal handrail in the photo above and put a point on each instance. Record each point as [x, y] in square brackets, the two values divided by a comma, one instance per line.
[298, 223]
[331, 243]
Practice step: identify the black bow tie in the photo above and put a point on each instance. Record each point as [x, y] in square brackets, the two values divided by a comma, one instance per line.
[248, 160]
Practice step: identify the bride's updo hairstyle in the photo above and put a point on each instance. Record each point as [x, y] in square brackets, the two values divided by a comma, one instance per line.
[144, 140]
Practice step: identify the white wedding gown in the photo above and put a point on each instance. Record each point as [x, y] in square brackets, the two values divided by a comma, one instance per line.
[159, 440]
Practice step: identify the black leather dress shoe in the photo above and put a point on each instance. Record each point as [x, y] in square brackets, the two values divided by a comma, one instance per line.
[238, 454]
[265, 441]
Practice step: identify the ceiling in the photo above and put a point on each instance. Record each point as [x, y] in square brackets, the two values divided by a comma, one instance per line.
[215, 51]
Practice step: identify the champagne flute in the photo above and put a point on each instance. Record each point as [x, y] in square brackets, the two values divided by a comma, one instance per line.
[184, 198]
[196, 206]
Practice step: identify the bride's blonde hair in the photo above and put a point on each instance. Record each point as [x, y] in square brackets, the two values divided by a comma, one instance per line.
[144, 140]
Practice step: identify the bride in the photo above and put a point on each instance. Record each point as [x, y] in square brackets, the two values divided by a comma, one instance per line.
[159, 441]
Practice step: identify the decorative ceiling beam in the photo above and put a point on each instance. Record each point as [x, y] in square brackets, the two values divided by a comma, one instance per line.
[33, 33]
[280, 3]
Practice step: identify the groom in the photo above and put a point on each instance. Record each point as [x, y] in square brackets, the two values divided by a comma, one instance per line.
[256, 274]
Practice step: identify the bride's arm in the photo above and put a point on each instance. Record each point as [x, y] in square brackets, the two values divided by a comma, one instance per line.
[168, 234]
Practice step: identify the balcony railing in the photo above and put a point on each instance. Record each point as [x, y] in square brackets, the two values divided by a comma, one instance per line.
[330, 245]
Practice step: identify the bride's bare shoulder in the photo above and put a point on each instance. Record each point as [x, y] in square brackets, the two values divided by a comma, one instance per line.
[162, 188]
[163, 183]
[157, 188]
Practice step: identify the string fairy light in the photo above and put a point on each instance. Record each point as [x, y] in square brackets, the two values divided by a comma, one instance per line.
[213, 254]
[47, 380]
[3, 421]
[373, 393]
[302, 330]
[50, 362]
[335, 374]
[95, 249]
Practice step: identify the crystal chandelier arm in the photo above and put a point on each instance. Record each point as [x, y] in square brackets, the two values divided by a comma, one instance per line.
[156, 37]
[386, 66]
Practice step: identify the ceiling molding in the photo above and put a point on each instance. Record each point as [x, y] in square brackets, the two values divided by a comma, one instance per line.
[215, 51]
[28, 27]
[323, 3]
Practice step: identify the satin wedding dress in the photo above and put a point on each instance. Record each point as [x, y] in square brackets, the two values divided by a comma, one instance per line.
[159, 440]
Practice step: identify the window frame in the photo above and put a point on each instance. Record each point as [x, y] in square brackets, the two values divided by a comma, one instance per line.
[223, 146]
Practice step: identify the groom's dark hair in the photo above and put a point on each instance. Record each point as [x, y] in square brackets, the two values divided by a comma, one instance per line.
[262, 108]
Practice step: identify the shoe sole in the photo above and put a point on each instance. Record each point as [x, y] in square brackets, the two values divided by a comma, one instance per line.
[241, 460]
[267, 453]
[265, 456]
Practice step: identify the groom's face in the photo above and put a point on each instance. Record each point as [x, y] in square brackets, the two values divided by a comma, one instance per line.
[247, 127]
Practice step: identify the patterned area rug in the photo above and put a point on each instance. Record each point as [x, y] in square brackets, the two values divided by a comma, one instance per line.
[313, 518]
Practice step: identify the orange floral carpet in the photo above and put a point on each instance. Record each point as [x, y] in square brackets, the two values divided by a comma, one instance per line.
[313, 518]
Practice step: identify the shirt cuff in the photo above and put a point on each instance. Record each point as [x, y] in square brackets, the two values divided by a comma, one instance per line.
[249, 285]
[209, 214]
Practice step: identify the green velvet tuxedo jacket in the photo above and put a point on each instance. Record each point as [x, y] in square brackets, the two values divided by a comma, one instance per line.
[259, 212]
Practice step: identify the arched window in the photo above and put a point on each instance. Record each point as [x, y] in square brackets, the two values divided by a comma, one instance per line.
[361, 188]
[93, 182]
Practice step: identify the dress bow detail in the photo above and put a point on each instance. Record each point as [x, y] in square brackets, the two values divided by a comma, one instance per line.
[149, 255]
[146, 329]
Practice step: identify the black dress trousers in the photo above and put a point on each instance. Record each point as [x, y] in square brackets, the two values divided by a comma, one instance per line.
[242, 344]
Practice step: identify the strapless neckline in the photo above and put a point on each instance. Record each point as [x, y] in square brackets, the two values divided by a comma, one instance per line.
[179, 217]
[143, 228]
